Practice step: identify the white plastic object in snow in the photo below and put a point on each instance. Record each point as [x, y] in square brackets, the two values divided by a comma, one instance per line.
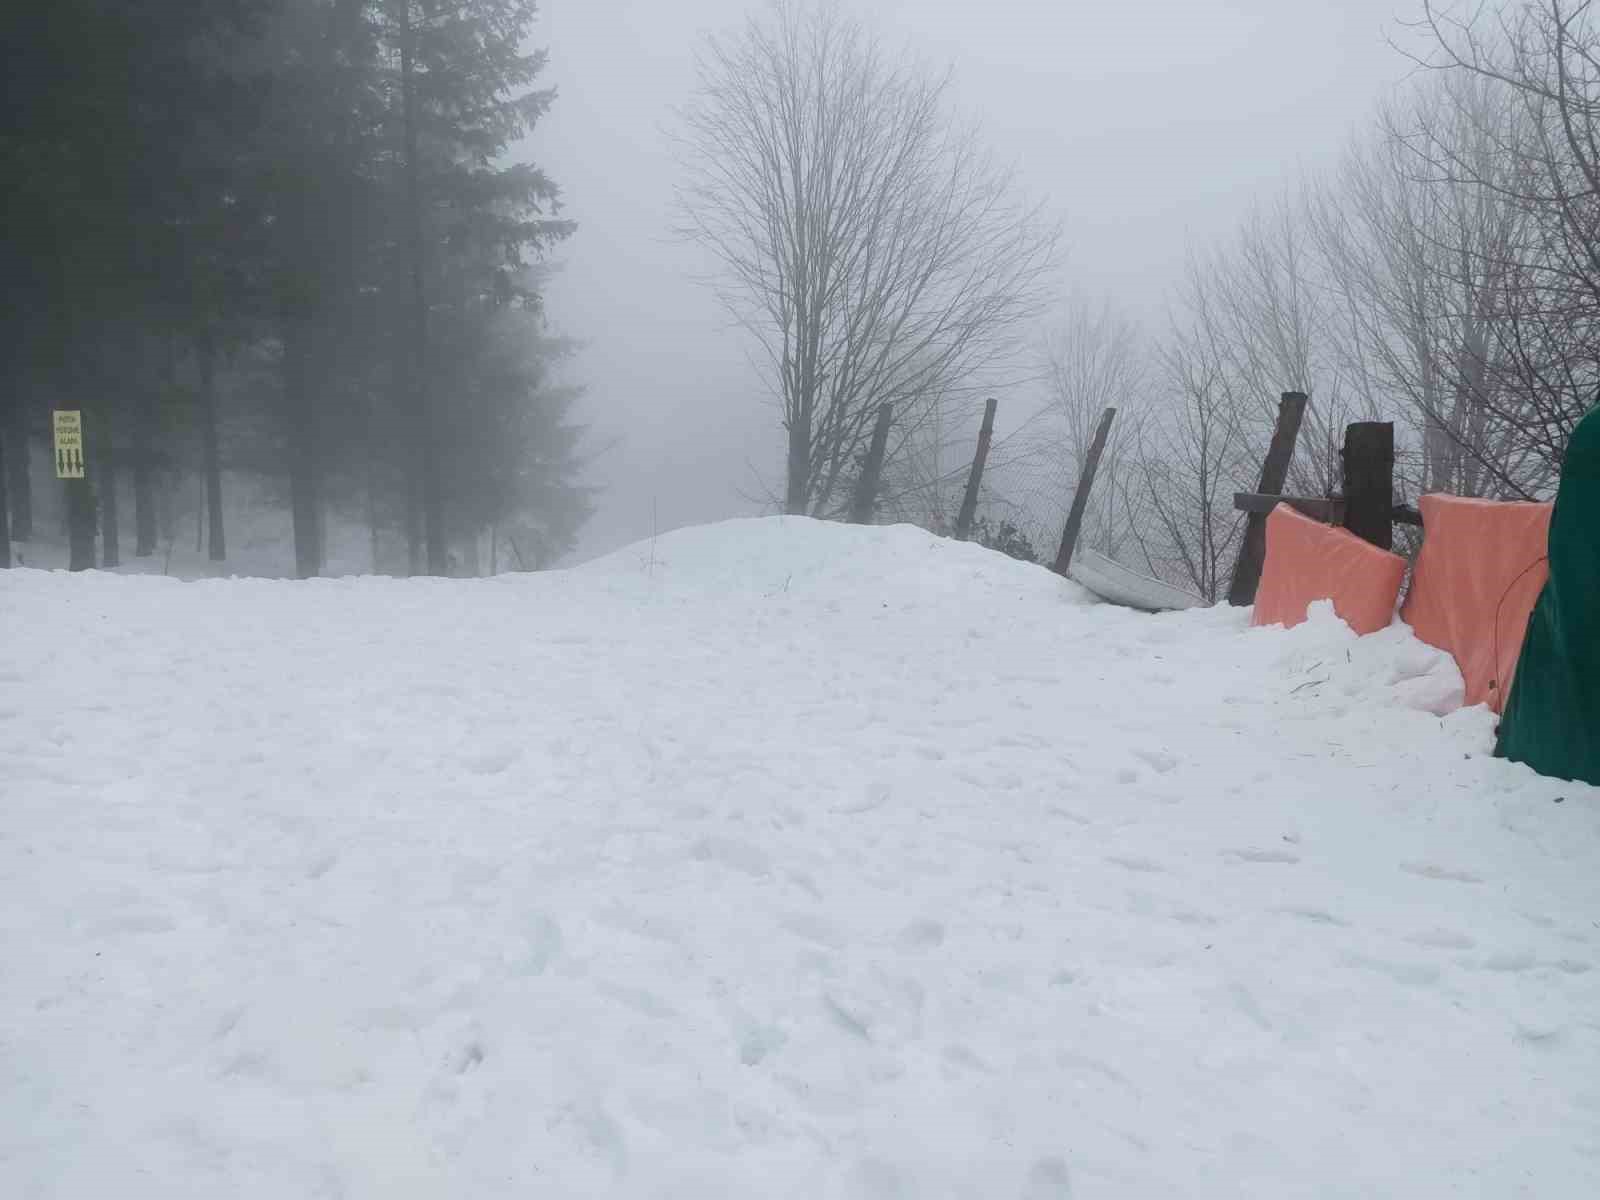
[1117, 584]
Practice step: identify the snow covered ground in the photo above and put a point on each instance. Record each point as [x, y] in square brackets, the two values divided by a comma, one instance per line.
[771, 859]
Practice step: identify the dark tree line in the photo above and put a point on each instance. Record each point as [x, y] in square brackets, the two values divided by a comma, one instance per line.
[306, 208]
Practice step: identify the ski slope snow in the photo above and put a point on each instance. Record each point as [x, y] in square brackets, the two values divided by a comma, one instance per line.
[771, 859]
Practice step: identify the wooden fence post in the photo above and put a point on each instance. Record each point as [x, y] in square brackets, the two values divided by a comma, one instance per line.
[1274, 473]
[1369, 510]
[969, 502]
[867, 486]
[1080, 498]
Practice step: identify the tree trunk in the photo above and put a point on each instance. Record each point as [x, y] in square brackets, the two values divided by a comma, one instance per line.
[80, 524]
[145, 416]
[5, 513]
[797, 495]
[414, 557]
[372, 523]
[110, 542]
[20, 473]
[865, 500]
[425, 436]
[206, 350]
[304, 477]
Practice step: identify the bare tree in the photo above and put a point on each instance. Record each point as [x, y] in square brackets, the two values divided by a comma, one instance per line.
[1095, 360]
[1192, 459]
[869, 245]
[1426, 265]
[1543, 56]
[1265, 306]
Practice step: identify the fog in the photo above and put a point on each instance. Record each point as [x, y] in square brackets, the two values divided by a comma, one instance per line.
[1149, 128]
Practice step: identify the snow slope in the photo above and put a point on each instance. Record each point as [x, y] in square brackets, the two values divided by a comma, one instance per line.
[770, 859]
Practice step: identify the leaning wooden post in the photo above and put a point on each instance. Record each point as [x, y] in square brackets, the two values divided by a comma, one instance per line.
[1369, 482]
[1274, 473]
[866, 496]
[969, 502]
[1080, 498]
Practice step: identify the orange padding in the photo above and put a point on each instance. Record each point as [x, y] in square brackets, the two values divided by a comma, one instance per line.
[1477, 579]
[1308, 561]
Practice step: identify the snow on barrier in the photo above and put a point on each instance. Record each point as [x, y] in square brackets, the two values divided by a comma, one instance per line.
[1480, 572]
[1308, 561]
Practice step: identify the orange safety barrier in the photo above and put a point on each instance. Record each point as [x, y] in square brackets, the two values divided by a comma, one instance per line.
[1476, 581]
[1309, 561]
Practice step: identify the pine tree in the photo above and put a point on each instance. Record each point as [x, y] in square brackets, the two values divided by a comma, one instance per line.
[470, 224]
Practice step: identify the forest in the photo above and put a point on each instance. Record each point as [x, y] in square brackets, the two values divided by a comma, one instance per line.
[284, 244]
[298, 248]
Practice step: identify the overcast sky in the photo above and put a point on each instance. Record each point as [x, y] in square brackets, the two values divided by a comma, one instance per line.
[1148, 126]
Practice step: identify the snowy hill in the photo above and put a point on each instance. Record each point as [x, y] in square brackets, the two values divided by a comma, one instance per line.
[771, 859]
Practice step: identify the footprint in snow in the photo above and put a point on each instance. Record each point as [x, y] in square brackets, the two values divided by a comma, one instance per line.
[812, 929]
[1509, 961]
[468, 1058]
[848, 1017]
[875, 1179]
[1443, 939]
[874, 795]
[492, 760]
[1434, 871]
[1252, 854]
[1411, 974]
[1048, 1179]
[744, 857]
[641, 1001]
[922, 934]
[1135, 863]
[758, 1042]
[962, 1057]
[1315, 916]
[131, 923]
[1157, 760]
[540, 946]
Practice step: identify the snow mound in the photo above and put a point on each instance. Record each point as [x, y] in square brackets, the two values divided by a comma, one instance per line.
[803, 556]
[771, 859]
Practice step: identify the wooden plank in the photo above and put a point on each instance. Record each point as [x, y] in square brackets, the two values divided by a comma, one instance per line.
[1319, 508]
[969, 502]
[1274, 472]
[1080, 498]
[1369, 482]
[866, 497]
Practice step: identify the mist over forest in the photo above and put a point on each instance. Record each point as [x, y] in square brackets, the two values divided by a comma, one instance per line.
[301, 266]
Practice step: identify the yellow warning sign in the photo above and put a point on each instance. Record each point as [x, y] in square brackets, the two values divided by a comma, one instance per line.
[69, 445]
